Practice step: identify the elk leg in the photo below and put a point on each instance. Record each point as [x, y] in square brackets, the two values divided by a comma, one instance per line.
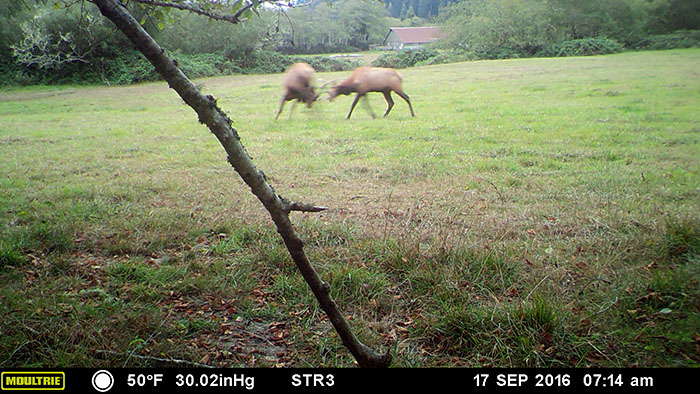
[365, 102]
[281, 106]
[405, 97]
[389, 101]
[294, 104]
[354, 103]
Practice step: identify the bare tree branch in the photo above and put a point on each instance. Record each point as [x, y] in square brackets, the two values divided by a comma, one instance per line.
[221, 126]
[300, 206]
[193, 7]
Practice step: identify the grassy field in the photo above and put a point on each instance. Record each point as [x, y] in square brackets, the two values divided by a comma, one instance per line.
[534, 213]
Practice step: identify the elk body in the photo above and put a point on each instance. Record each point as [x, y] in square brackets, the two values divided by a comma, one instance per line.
[371, 79]
[298, 86]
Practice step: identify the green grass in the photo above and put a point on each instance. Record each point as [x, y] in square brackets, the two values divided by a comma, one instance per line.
[535, 213]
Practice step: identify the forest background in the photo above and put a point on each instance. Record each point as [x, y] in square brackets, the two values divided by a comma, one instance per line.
[40, 43]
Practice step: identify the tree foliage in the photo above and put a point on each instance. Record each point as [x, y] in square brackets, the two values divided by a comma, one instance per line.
[524, 27]
[514, 24]
[665, 16]
[45, 43]
[192, 34]
[333, 27]
[42, 44]
[50, 39]
[426, 9]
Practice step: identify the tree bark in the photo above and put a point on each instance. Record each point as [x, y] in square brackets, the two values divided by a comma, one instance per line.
[279, 208]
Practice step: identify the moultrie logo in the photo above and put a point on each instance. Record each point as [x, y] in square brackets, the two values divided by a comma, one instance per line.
[31, 380]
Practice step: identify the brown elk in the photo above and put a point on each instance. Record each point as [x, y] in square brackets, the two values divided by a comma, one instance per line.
[371, 79]
[298, 86]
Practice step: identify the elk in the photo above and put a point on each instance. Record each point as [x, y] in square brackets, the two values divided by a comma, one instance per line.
[297, 86]
[371, 79]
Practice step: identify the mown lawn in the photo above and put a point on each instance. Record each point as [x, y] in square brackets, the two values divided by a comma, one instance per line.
[535, 213]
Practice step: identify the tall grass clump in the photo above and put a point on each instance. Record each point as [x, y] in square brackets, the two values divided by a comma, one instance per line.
[683, 237]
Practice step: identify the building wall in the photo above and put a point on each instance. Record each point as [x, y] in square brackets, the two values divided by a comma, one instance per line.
[393, 41]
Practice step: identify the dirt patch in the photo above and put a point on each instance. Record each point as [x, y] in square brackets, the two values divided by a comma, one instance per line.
[20, 96]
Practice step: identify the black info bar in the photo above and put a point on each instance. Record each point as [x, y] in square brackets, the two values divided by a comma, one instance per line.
[219, 380]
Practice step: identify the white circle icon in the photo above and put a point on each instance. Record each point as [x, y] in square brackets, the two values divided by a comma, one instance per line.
[102, 381]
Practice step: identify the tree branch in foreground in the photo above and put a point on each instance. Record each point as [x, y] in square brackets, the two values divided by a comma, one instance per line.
[220, 125]
[192, 7]
[289, 206]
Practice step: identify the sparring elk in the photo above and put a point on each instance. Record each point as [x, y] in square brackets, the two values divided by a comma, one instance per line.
[298, 86]
[371, 79]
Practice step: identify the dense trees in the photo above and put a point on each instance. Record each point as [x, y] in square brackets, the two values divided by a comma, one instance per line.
[664, 16]
[333, 26]
[319, 27]
[40, 44]
[523, 27]
[36, 40]
[482, 25]
[403, 9]
[43, 40]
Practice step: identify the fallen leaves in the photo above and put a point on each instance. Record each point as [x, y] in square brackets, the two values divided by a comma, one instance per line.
[279, 331]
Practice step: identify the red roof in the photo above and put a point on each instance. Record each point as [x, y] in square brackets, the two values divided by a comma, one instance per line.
[416, 35]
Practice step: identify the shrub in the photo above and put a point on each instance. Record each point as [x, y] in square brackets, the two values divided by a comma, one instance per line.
[203, 64]
[582, 47]
[449, 57]
[403, 59]
[11, 73]
[325, 64]
[129, 68]
[678, 39]
[263, 62]
[387, 60]
[498, 53]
